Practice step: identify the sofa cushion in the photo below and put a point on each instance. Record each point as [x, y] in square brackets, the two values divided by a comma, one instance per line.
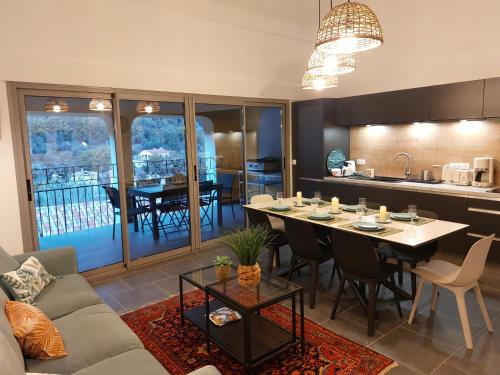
[35, 333]
[9, 365]
[133, 362]
[7, 264]
[6, 332]
[27, 281]
[206, 370]
[91, 335]
[65, 295]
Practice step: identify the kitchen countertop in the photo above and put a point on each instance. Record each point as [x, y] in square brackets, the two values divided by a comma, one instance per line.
[447, 189]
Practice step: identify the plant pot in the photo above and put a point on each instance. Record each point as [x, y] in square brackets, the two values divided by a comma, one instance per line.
[222, 272]
[248, 275]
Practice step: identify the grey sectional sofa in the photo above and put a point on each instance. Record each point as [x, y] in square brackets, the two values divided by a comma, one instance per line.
[97, 341]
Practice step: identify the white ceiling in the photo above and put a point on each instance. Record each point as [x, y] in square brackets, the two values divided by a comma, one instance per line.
[255, 48]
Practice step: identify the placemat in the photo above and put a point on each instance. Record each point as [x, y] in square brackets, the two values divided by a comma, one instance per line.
[421, 221]
[368, 211]
[336, 219]
[293, 211]
[382, 233]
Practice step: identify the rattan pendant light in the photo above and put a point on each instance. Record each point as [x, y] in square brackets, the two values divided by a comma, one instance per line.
[148, 107]
[100, 105]
[348, 28]
[56, 105]
[315, 82]
[322, 64]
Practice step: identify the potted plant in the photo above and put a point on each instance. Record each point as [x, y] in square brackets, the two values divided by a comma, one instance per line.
[222, 267]
[248, 245]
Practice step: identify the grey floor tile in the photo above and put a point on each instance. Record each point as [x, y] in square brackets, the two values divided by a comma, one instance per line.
[350, 330]
[323, 308]
[412, 349]
[446, 369]
[114, 304]
[177, 267]
[143, 277]
[111, 286]
[171, 285]
[140, 296]
[403, 369]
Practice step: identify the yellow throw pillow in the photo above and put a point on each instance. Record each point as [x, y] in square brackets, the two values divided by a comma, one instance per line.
[35, 333]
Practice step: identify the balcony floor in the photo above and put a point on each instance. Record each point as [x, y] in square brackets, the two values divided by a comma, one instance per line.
[96, 248]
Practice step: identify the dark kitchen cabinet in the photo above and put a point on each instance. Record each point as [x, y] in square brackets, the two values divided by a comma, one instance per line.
[362, 110]
[457, 101]
[404, 106]
[345, 110]
[491, 98]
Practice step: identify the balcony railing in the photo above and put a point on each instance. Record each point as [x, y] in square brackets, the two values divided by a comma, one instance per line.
[70, 199]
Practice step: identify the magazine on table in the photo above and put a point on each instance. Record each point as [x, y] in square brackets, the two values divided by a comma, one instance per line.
[223, 316]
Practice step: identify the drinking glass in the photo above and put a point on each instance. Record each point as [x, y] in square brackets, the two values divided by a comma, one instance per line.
[412, 210]
[279, 197]
[362, 202]
[360, 211]
[317, 198]
[412, 230]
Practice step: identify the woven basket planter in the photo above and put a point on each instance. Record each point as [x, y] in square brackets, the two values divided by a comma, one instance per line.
[222, 272]
[248, 276]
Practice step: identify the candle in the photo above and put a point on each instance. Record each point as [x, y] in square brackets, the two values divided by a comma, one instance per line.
[383, 213]
[335, 204]
[299, 198]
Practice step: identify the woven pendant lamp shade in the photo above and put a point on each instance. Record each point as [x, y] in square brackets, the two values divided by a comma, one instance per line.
[56, 105]
[349, 27]
[314, 82]
[100, 105]
[322, 64]
[148, 107]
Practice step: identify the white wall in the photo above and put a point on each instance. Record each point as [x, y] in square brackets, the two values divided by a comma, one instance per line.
[256, 48]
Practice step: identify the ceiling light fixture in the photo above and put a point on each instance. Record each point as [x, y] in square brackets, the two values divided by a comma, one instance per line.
[315, 82]
[56, 105]
[348, 28]
[148, 107]
[322, 64]
[100, 105]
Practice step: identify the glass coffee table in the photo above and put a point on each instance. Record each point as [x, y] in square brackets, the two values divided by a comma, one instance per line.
[253, 339]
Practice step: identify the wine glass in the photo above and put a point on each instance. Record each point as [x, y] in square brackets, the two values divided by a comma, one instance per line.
[279, 197]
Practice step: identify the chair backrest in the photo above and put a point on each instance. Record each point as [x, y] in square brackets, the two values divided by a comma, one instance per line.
[373, 205]
[426, 213]
[227, 181]
[356, 256]
[206, 188]
[302, 239]
[256, 217]
[261, 198]
[113, 195]
[473, 265]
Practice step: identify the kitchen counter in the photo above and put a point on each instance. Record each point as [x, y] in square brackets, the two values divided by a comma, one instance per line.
[446, 189]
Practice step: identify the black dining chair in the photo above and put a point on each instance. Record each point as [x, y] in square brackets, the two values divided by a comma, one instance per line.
[173, 213]
[409, 255]
[278, 238]
[360, 263]
[229, 190]
[206, 190]
[308, 249]
[132, 212]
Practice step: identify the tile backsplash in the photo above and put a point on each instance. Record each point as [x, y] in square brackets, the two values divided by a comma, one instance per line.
[427, 143]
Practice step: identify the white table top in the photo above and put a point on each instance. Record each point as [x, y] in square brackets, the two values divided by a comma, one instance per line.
[421, 235]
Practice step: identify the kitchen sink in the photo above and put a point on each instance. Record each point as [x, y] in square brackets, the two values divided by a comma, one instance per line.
[431, 182]
[378, 178]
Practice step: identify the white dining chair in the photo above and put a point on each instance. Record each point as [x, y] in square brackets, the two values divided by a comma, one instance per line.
[458, 279]
[276, 222]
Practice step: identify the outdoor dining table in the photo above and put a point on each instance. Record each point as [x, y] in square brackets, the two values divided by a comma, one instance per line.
[152, 193]
[398, 232]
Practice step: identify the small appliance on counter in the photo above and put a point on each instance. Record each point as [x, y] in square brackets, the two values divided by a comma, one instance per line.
[483, 170]
[463, 176]
[426, 175]
[448, 169]
[437, 172]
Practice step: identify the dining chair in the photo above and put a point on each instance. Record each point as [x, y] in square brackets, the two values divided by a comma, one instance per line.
[173, 208]
[457, 279]
[308, 249]
[276, 222]
[228, 181]
[359, 262]
[134, 212]
[278, 238]
[206, 192]
[411, 256]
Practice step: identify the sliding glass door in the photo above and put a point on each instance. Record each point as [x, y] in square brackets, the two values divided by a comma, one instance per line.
[71, 156]
[154, 149]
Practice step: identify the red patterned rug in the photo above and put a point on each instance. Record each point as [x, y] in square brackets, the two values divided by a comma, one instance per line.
[181, 350]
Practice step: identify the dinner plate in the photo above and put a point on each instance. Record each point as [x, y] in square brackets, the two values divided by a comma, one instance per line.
[321, 216]
[308, 202]
[369, 227]
[296, 205]
[335, 212]
[280, 208]
[403, 216]
[350, 208]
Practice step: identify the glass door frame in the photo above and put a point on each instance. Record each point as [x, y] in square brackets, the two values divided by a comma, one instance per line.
[16, 91]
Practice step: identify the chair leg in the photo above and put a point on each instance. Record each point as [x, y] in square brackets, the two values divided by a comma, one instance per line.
[270, 258]
[400, 273]
[416, 300]
[293, 264]
[371, 307]
[435, 290]
[464, 318]
[396, 297]
[482, 306]
[314, 284]
[413, 281]
[332, 275]
[337, 298]
[114, 224]
[277, 257]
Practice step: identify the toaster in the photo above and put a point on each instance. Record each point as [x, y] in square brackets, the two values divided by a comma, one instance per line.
[463, 176]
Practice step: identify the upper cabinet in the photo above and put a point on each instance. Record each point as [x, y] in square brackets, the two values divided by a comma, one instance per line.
[361, 110]
[492, 98]
[457, 101]
[411, 105]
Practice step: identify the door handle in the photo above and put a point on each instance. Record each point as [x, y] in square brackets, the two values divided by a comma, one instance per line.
[28, 189]
[195, 173]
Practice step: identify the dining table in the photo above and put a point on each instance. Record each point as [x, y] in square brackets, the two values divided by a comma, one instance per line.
[155, 192]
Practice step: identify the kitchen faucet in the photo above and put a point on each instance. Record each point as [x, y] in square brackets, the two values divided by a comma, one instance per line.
[407, 170]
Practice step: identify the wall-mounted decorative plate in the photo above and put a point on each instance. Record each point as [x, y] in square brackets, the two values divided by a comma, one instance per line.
[335, 159]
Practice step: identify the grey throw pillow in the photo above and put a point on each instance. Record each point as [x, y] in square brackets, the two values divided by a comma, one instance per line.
[28, 281]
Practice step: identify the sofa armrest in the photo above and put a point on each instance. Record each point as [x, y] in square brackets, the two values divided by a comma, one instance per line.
[58, 262]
